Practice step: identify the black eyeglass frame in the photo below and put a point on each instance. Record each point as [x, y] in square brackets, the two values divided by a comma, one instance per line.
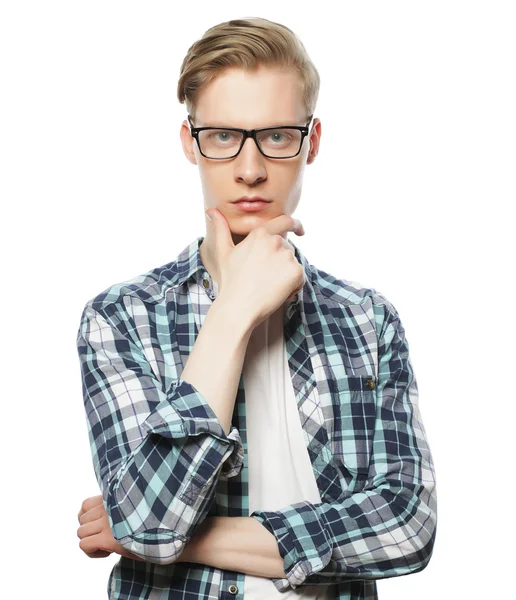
[194, 131]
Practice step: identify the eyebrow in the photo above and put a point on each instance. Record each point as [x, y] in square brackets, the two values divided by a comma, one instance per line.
[286, 123]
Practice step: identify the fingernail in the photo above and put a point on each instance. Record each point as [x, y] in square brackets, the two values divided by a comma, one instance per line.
[206, 213]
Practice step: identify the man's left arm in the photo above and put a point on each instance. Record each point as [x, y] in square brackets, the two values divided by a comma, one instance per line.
[388, 528]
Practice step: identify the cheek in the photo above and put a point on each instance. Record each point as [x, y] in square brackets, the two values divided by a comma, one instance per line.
[286, 175]
[292, 204]
[212, 178]
[291, 179]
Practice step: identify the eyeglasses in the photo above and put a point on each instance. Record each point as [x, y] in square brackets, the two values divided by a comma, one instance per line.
[221, 143]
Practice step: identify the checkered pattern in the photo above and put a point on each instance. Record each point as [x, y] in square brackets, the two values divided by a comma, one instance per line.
[164, 463]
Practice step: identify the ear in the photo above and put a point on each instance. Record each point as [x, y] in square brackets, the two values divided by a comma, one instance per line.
[187, 142]
[314, 138]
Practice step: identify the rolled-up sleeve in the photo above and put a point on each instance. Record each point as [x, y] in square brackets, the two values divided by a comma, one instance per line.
[387, 528]
[157, 454]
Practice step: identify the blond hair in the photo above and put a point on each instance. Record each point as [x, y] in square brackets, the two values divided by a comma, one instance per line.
[245, 43]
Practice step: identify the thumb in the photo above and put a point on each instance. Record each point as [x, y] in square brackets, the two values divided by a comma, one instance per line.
[221, 232]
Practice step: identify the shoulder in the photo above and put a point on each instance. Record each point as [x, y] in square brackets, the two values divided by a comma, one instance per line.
[345, 291]
[355, 305]
[148, 287]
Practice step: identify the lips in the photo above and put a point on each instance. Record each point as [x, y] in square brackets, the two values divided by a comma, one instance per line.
[251, 205]
[251, 200]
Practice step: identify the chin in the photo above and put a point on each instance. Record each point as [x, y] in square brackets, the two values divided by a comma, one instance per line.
[247, 221]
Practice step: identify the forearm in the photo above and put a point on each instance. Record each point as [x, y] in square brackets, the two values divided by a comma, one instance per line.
[215, 363]
[235, 543]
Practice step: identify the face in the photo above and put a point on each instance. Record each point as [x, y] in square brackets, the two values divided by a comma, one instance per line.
[240, 98]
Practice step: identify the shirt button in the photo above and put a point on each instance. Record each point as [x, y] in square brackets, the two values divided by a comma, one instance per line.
[370, 384]
[233, 589]
[206, 283]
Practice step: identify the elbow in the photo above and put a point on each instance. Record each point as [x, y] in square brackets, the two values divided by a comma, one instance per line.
[412, 556]
[417, 512]
[425, 536]
[419, 560]
[429, 526]
[427, 546]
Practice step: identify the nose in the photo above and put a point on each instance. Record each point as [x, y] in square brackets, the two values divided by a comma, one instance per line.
[250, 163]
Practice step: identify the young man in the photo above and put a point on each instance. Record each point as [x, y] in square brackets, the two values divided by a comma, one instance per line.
[253, 420]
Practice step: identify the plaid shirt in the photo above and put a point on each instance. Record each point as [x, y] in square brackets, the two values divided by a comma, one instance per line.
[164, 463]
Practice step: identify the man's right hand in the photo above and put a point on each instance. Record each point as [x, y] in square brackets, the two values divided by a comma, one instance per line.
[260, 273]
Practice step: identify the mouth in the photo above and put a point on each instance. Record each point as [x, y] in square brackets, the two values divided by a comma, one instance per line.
[251, 204]
[250, 200]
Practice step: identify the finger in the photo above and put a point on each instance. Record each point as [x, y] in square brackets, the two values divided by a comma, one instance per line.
[90, 503]
[89, 529]
[222, 233]
[91, 544]
[93, 514]
[300, 228]
[98, 554]
[282, 224]
[297, 290]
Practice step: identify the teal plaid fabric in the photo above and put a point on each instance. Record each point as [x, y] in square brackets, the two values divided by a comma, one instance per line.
[164, 463]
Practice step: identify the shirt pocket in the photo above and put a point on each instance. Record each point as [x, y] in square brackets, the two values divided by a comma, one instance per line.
[354, 424]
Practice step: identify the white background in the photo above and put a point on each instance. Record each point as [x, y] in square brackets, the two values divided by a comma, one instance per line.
[411, 193]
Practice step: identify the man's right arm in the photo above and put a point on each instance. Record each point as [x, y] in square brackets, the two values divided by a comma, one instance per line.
[157, 453]
[215, 363]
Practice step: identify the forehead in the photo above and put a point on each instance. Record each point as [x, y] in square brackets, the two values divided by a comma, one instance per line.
[242, 98]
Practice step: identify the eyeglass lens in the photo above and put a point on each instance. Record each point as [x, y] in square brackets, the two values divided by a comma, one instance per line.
[223, 143]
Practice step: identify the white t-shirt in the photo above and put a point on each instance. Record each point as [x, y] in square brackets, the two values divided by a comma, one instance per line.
[280, 471]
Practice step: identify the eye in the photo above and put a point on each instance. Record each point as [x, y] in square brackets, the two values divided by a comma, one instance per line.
[222, 136]
[278, 134]
[279, 137]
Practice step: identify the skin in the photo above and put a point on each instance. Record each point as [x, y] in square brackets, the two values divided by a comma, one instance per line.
[235, 543]
[239, 98]
[266, 97]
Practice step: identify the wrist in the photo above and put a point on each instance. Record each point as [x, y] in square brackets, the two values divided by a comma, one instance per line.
[236, 320]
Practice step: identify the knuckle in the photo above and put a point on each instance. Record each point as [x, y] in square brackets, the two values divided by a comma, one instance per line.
[278, 240]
